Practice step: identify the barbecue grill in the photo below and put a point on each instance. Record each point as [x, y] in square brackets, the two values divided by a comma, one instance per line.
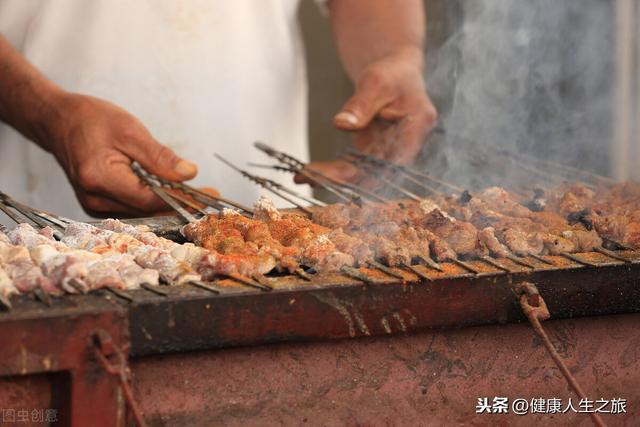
[42, 336]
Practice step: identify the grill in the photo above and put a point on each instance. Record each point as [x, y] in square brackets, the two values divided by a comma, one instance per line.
[352, 302]
[228, 312]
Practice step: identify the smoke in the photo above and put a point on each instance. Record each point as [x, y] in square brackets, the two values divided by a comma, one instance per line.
[534, 77]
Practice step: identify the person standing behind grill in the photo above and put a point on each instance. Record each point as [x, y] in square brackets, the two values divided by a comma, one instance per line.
[205, 76]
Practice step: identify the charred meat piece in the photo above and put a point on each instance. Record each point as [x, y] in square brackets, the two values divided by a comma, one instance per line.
[488, 238]
[521, 243]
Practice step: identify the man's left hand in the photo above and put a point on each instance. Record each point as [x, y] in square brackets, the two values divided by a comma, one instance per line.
[390, 113]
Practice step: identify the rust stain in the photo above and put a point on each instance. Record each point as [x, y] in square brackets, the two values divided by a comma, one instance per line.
[352, 319]
[335, 303]
[363, 326]
[46, 363]
[385, 325]
[23, 361]
[400, 320]
[146, 333]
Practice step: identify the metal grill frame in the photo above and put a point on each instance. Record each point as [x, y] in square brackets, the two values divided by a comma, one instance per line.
[333, 306]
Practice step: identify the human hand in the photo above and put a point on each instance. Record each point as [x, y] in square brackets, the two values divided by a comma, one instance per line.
[390, 113]
[95, 142]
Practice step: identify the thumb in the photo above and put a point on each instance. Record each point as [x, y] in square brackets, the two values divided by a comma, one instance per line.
[159, 159]
[372, 94]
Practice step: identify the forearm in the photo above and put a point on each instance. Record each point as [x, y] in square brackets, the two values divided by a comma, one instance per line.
[369, 30]
[28, 100]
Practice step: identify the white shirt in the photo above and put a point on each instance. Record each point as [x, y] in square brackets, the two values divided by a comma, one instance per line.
[204, 76]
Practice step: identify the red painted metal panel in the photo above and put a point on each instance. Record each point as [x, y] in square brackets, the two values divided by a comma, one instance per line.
[59, 341]
[428, 379]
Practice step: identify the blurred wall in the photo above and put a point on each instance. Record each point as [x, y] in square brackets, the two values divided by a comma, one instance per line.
[329, 86]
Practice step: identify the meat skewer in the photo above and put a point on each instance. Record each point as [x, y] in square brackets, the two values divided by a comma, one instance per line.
[292, 229]
[614, 214]
[151, 258]
[291, 239]
[79, 269]
[216, 202]
[73, 267]
[25, 274]
[175, 262]
[323, 249]
[487, 237]
[440, 246]
[333, 245]
[345, 196]
[300, 167]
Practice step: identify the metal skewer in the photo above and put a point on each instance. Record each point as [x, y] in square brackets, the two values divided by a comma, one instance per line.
[414, 270]
[186, 215]
[612, 254]
[216, 202]
[367, 170]
[496, 264]
[359, 190]
[354, 273]
[465, 265]
[10, 214]
[5, 303]
[160, 192]
[551, 176]
[42, 296]
[578, 260]
[412, 171]
[338, 192]
[78, 285]
[187, 203]
[202, 285]
[249, 282]
[385, 269]
[392, 167]
[520, 261]
[264, 183]
[541, 259]
[120, 294]
[298, 166]
[303, 274]
[555, 166]
[26, 212]
[427, 261]
[308, 199]
[154, 289]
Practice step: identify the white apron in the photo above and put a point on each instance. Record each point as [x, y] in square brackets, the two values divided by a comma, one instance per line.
[204, 76]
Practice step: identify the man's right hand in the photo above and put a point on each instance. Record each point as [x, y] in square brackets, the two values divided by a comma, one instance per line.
[95, 142]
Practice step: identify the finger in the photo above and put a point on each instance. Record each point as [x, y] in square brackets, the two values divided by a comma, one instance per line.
[210, 191]
[113, 178]
[156, 158]
[374, 139]
[410, 136]
[372, 94]
[337, 169]
[193, 200]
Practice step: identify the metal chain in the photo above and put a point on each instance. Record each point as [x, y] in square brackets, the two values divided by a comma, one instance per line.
[105, 349]
[534, 307]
